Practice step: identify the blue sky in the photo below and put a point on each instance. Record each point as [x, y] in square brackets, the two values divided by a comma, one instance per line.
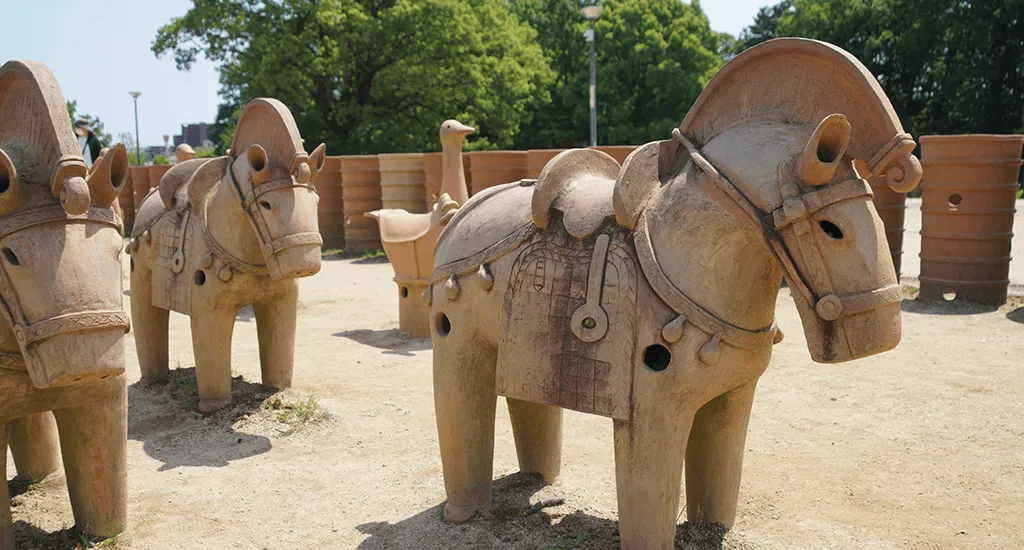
[100, 50]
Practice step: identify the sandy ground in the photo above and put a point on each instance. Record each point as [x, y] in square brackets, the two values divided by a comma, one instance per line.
[922, 447]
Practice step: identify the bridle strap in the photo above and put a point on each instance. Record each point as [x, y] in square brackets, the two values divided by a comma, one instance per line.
[250, 205]
[795, 213]
[27, 332]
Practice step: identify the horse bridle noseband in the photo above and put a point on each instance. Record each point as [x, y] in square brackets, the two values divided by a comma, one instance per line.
[27, 332]
[795, 214]
[250, 204]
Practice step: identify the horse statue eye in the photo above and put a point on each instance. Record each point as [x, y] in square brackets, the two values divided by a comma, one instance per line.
[831, 229]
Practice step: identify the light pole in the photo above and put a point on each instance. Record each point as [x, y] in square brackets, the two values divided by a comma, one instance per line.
[592, 13]
[135, 99]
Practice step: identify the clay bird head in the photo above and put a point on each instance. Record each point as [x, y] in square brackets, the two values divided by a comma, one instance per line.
[453, 132]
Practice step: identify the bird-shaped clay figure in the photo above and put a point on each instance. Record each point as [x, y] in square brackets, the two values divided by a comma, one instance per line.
[409, 238]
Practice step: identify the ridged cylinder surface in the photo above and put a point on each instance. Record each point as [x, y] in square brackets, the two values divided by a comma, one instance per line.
[126, 200]
[360, 193]
[892, 208]
[536, 159]
[156, 172]
[330, 210]
[403, 181]
[432, 173]
[140, 185]
[969, 192]
[492, 168]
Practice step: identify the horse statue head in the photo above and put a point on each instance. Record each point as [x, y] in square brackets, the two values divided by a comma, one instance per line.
[259, 202]
[60, 239]
[770, 166]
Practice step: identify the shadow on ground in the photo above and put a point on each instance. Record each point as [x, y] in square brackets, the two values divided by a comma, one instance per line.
[165, 418]
[940, 307]
[389, 340]
[1016, 315]
[30, 537]
[514, 523]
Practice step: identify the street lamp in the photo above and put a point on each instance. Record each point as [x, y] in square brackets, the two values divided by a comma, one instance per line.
[592, 13]
[135, 98]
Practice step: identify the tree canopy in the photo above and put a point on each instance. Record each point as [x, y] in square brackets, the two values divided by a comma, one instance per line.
[948, 66]
[368, 76]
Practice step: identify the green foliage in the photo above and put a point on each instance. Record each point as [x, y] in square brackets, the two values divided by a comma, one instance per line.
[202, 153]
[369, 76]
[106, 140]
[948, 66]
[160, 159]
[653, 59]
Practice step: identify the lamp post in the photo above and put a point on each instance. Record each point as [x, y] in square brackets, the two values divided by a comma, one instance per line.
[135, 99]
[592, 13]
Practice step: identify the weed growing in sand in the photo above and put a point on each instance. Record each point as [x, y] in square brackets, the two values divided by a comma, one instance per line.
[86, 542]
[183, 388]
[346, 253]
[566, 543]
[295, 411]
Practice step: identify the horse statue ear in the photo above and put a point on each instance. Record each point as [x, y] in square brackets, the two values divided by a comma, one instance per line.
[258, 165]
[820, 158]
[646, 169]
[317, 160]
[108, 176]
[12, 194]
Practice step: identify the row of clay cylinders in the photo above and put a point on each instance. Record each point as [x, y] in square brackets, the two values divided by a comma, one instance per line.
[361, 193]
[969, 192]
[330, 208]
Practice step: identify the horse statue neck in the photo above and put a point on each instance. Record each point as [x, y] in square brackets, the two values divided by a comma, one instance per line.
[713, 253]
[229, 225]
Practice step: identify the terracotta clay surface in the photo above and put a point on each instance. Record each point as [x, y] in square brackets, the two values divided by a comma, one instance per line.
[646, 293]
[968, 202]
[331, 208]
[536, 159]
[617, 152]
[156, 173]
[126, 201]
[409, 238]
[223, 233]
[360, 192]
[892, 208]
[184, 152]
[140, 185]
[403, 181]
[432, 170]
[62, 347]
[492, 168]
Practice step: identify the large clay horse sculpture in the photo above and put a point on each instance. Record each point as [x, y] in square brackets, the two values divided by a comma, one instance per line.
[646, 293]
[62, 348]
[220, 234]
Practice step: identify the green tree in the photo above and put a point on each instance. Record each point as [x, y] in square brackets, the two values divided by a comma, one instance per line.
[129, 144]
[368, 76]
[94, 123]
[654, 57]
[948, 66]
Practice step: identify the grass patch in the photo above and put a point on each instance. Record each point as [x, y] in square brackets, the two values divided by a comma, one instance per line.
[346, 254]
[295, 411]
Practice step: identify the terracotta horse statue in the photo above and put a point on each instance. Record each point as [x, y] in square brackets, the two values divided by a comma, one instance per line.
[646, 293]
[62, 347]
[220, 234]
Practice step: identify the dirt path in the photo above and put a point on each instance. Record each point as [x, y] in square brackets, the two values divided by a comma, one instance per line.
[922, 447]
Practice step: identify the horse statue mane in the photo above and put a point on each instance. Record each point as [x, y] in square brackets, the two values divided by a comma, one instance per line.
[35, 128]
[265, 123]
[772, 82]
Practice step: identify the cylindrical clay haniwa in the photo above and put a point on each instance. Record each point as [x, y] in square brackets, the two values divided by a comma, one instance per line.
[969, 191]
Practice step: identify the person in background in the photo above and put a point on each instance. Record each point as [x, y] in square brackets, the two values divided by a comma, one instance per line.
[88, 143]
